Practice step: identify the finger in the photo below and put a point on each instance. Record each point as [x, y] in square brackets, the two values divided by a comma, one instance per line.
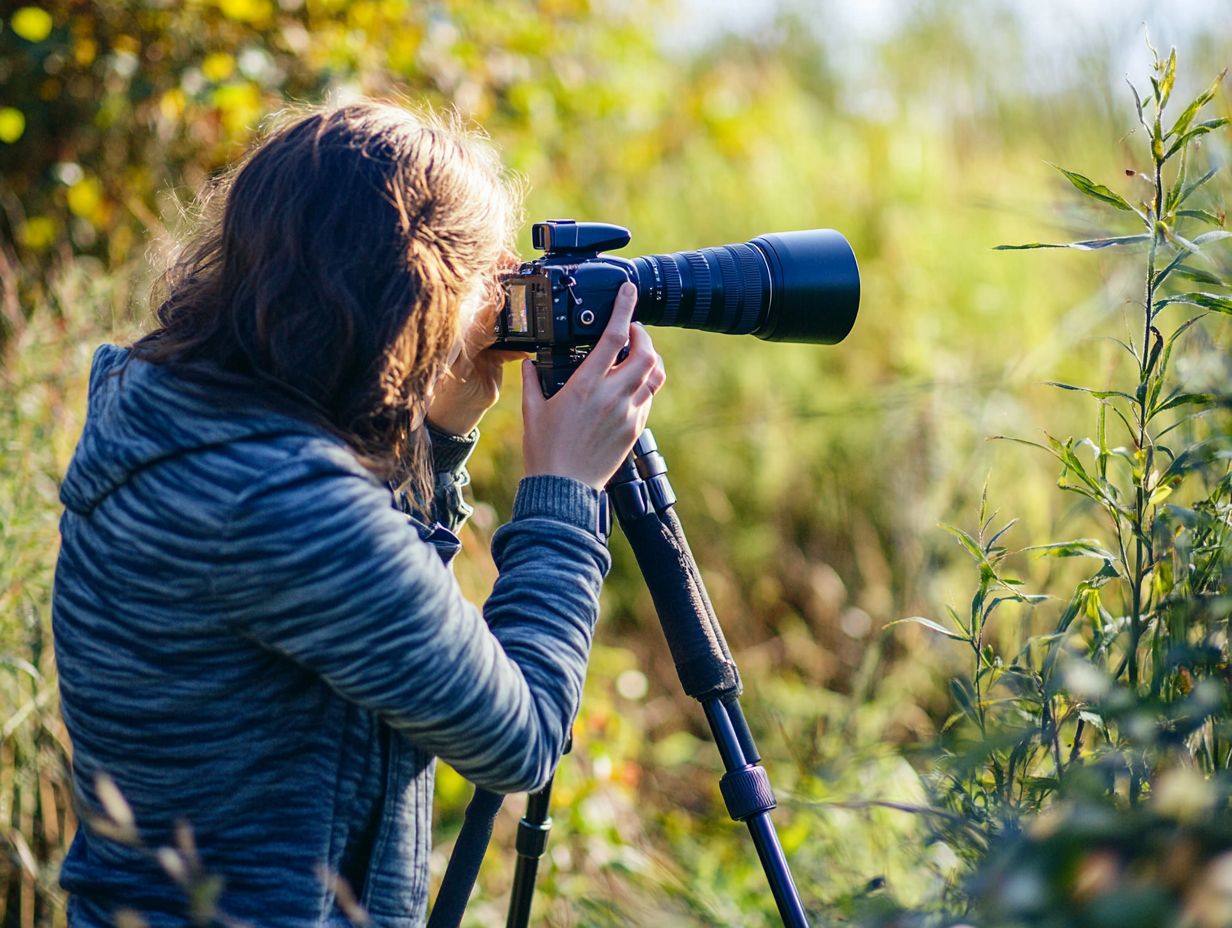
[658, 375]
[645, 391]
[637, 366]
[641, 397]
[532, 392]
[603, 355]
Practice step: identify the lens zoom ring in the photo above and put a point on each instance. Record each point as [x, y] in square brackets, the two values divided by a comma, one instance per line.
[671, 288]
[701, 290]
[750, 273]
[726, 311]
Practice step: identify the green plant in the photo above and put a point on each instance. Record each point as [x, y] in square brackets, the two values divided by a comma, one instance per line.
[1130, 683]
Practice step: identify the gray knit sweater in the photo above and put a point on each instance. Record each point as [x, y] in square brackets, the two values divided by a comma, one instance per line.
[253, 638]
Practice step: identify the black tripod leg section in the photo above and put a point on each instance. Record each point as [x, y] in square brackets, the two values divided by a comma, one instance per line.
[530, 844]
[464, 862]
[699, 651]
[743, 735]
[749, 799]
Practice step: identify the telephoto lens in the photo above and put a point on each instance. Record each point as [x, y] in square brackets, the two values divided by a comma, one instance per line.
[782, 287]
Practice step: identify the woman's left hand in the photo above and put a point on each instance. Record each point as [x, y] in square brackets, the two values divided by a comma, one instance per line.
[472, 384]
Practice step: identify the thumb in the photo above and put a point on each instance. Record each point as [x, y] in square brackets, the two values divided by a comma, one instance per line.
[532, 394]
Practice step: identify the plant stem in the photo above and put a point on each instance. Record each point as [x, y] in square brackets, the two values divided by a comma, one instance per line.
[1052, 731]
[1142, 556]
[1076, 750]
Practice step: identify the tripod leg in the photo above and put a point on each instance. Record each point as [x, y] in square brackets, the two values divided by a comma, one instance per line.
[749, 799]
[530, 844]
[643, 501]
[743, 735]
[464, 862]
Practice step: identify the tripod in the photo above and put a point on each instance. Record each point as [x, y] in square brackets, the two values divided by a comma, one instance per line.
[642, 498]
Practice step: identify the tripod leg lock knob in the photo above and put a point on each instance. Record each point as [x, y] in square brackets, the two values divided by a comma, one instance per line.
[532, 838]
[747, 792]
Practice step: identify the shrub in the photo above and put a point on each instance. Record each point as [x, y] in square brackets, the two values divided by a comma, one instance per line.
[1093, 756]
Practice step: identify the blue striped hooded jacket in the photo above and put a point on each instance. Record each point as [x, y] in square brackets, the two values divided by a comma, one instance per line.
[254, 639]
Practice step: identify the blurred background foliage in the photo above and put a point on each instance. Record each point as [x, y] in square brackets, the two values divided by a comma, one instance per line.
[811, 480]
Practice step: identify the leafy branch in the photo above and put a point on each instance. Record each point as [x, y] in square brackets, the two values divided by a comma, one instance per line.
[1120, 681]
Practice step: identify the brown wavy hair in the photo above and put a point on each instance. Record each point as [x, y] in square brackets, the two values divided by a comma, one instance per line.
[332, 268]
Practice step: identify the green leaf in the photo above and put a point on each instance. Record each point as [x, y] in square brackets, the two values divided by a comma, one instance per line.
[934, 626]
[1195, 247]
[1183, 420]
[1157, 346]
[1094, 190]
[1092, 718]
[965, 539]
[1163, 364]
[1186, 517]
[1177, 185]
[1169, 79]
[1218, 302]
[1102, 447]
[1090, 245]
[965, 698]
[1204, 214]
[1104, 574]
[1138, 104]
[1171, 266]
[1183, 399]
[992, 607]
[1181, 329]
[1159, 494]
[1191, 459]
[955, 616]
[1099, 394]
[1215, 236]
[1201, 128]
[1065, 451]
[1129, 429]
[1187, 115]
[1197, 275]
[1078, 547]
[1005, 528]
[953, 719]
[1189, 188]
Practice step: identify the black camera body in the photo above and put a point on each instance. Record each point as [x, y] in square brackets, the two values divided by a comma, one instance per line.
[557, 306]
[785, 286]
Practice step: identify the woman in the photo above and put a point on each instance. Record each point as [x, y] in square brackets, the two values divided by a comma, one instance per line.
[255, 634]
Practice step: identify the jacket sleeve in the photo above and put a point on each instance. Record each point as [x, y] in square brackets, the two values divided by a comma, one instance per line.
[449, 456]
[323, 569]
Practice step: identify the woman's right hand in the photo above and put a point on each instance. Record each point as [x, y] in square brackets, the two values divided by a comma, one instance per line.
[587, 429]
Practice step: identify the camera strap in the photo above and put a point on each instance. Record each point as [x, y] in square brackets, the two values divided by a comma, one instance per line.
[465, 860]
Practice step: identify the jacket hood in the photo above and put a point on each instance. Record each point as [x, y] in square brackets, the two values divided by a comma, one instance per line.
[140, 414]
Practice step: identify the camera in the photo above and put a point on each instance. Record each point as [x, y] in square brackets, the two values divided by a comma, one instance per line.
[781, 287]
